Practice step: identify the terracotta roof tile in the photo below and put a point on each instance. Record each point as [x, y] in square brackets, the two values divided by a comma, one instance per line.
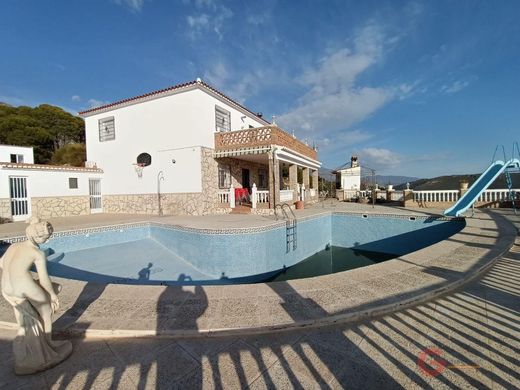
[44, 167]
[168, 89]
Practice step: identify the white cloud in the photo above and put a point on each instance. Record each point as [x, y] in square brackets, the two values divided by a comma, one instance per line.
[333, 101]
[76, 98]
[213, 19]
[93, 103]
[455, 87]
[238, 88]
[379, 158]
[133, 5]
[198, 22]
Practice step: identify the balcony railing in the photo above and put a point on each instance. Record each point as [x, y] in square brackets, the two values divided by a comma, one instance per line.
[261, 136]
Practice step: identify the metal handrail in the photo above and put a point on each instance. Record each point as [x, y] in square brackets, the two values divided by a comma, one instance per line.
[285, 215]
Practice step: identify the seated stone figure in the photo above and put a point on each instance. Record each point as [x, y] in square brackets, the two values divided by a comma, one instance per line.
[33, 301]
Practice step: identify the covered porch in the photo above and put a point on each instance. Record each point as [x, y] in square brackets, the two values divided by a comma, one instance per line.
[265, 166]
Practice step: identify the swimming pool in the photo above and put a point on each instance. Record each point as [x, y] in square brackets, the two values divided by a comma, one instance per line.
[155, 253]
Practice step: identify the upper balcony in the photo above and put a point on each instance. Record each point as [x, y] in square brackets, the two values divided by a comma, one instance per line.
[261, 136]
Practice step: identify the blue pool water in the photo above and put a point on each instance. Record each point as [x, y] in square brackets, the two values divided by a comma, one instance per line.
[161, 254]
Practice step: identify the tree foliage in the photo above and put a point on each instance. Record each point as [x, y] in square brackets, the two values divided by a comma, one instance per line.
[71, 154]
[46, 128]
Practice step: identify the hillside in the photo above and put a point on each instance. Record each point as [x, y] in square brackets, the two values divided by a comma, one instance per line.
[452, 182]
[381, 180]
[46, 128]
[394, 180]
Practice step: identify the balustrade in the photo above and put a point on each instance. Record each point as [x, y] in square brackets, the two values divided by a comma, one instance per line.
[261, 136]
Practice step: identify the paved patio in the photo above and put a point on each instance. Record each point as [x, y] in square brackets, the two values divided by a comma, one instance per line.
[475, 330]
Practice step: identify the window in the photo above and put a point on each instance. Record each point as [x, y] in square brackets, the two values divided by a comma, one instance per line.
[222, 119]
[17, 158]
[224, 176]
[262, 178]
[73, 183]
[107, 129]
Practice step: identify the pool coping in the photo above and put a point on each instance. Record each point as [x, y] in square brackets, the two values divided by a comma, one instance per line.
[100, 311]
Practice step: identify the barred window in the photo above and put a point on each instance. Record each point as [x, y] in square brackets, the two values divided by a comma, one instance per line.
[224, 176]
[107, 130]
[222, 119]
[73, 182]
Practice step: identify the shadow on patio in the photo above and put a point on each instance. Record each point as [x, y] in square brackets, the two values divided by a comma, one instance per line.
[474, 331]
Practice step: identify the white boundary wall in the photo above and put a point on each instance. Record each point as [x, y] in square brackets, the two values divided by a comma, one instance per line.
[45, 183]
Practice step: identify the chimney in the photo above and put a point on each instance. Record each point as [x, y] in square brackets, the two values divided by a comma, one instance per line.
[354, 161]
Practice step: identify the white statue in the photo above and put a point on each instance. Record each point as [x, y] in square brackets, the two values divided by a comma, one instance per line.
[33, 301]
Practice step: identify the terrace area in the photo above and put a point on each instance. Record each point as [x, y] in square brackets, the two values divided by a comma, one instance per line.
[382, 328]
[281, 167]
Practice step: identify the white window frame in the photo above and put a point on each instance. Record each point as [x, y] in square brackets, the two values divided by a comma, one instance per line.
[17, 157]
[107, 129]
[264, 173]
[222, 119]
[224, 176]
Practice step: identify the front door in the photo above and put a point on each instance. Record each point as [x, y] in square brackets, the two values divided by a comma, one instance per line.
[245, 179]
[94, 188]
[20, 202]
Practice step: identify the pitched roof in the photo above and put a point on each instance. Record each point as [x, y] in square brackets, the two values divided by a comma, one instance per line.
[44, 167]
[165, 91]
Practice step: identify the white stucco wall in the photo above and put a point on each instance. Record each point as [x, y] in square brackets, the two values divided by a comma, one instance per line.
[7, 150]
[351, 178]
[179, 123]
[47, 183]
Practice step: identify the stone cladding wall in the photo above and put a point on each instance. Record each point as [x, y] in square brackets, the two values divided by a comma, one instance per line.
[62, 206]
[194, 203]
[5, 208]
[236, 167]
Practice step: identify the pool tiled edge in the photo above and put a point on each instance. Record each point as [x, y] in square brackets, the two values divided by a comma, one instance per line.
[205, 311]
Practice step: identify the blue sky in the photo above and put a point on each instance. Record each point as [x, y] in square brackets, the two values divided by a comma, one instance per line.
[414, 88]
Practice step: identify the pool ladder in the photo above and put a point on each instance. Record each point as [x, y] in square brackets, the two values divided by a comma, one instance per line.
[291, 237]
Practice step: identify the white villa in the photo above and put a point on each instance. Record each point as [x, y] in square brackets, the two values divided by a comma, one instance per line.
[187, 149]
[349, 177]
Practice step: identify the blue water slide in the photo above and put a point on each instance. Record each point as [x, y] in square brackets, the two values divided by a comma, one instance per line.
[482, 183]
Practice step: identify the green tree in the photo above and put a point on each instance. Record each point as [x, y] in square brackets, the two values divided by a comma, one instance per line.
[46, 128]
[71, 154]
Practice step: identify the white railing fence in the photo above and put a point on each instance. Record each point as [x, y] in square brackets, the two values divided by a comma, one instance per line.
[286, 195]
[436, 196]
[223, 196]
[258, 196]
[498, 195]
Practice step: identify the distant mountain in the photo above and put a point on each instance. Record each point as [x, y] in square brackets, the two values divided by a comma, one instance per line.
[394, 180]
[326, 173]
[452, 182]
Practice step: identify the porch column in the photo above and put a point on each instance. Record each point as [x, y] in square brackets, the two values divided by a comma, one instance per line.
[315, 179]
[274, 177]
[293, 179]
[306, 178]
